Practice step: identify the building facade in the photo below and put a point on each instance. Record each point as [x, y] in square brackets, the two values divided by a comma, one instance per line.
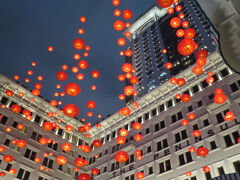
[151, 33]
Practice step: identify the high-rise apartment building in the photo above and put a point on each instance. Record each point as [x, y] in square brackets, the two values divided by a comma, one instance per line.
[152, 33]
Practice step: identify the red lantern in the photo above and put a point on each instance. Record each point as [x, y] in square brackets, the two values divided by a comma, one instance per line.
[16, 77]
[84, 176]
[139, 157]
[190, 33]
[137, 152]
[184, 122]
[173, 80]
[74, 69]
[170, 10]
[197, 70]
[37, 160]
[128, 75]
[180, 33]
[127, 14]
[138, 137]
[95, 171]
[93, 87]
[21, 143]
[95, 74]
[97, 143]
[35, 92]
[12, 171]
[178, 96]
[117, 12]
[98, 125]
[91, 104]
[192, 149]
[61, 160]
[220, 98]
[47, 126]
[79, 162]
[136, 125]
[83, 64]
[38, 86]
[118, 25]
[66, 147]
[139, 175]
[26, 112]
[168, 65]
[202, 54]
[196, 133]
[128, 90]
[175, 22]
[8, 158]
[202, 151]
[188, 173]
[43, 140]
[76, 169]
[78, 44]
[69, 128]
[165, 3]
[121, 96]
[185, 24]
[125, 111]
[191, 116]
[81, 129]
[123, 132]
[218, 91]
[82, 19]
[201, 61]
[2, 148]
[8, 92]
[50, 48]
[127, 67]
[206, 169]
[185, 98]
[65, 67]
[128, 52]
[80, 31]
[181, 81]
[2, 174]
[210, 80]
[8, 129]
[181, 15]
[120, 140]
[61, 75]
[16, 108]
[134, 80]
[121, 41]
[121, 156]
[186, 47]
[121, 77]
[229, 116]
[72, 89]
[115, 2]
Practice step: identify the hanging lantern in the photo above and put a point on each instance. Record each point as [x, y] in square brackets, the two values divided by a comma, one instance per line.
[210, 80]
[82, 19]
[197, 70]
[196, 133]
[21, 143]
[66, 147]
[78, 44]
[61, 75]
[37, 160]
[136, 125]
[229, 116]
[190, 33]
[175, 22]
[116, 2]
[134, 80]
[69, 128]
[138, 137]
[117, 12]
[128, 52]
[97, 143]
[121, 96]
[95, 171]
[83, 64]
[120, 140]
[191, 116]
[128, 90]
[180, 33]
[168, 65]
[192, 149]
[127, 14]
[137, 152]
[202, 151]
[8, 158]
[201, 61]
[2, 148]
[118, 25]
[186, 47]
[121, 156]
[139, 175]
[178, 96]
[26, 112]
[220, 98]
[47, 126]
[16, 108]
[218, 91]
[43, 140]
[127, 67]
[202, 54]
[184, 122]
[95, 74]
[173, 80]
[185, 98]
[81, 129]
[72, 89]
[61, 160]
[84, 176]
[165, 3]
[181, 81]
[170, 10]
[188, 173]
[206, 169]
[125, 111]
[123, 132]
[121, 77]
[91, 104]
[139, 157]
[79, 162]
[9, 92]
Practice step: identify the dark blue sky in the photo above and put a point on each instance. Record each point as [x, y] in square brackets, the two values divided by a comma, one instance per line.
[28, 27]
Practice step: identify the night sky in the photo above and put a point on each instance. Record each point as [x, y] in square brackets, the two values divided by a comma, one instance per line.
[28, 27]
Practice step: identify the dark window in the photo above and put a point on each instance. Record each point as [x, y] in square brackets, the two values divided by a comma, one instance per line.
[162, 124]
[174, 118]
[221, 171]
[189, 156]
[195, 89]
[177, 137]
[165, 143]
[208, 175]
[8, 167]
[132, 158]
[140, 119]
[180, 116]
[60, 132]
[236, 136]
[184, 134]
[149, 149]
[213, 145]
[159, 146]
[154, 112]
[157, 127]
[161, 167]
[181, 159]
[210, 97]
[195, 127]
[236, 165]
[15, 124]
[170, 104]
[224, 72]
[150, 170]
[161, 107]
[146, 116]
[190, 109]
[193, 178]
[6, 143]
[37, 119]
[168, 165]
[3, 120]
[4, 100]
[234, 87]
[20, 173]
[228, 140]
[105, 169]
[199, 103]
[147, 131]
[204, 84]
[220, 118]
[205, 122]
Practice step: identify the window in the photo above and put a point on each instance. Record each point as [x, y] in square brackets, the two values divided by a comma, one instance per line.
[30, 154]
[108, 137]
[208, 175]
[37, 119]
[147, 131]
[7, 142]
[146, 116]
[35, 136]
[60, 132]
[162, 124]
[47, 162]
[53, 146]
[195, 127]
[185, 158]
[149, 149]
[3, 120]
[170, 103]
[23, 174]
[140, 119]
[224, 72]
[8, 167]
[199, 103]
[150, 170]
[105, 169]
[106, 151]
[67, 136]
[154, 112]
[181, 136]
[221, 171]
[204, 84]
[231, 137]
[161, 108]
[195, 89]
[157, 127]
[68, 170]
[219, 117]
[190, 109]
[164, 166]
[228, 140]
[205, 122]
[113, 134]
[213, 145]
[236, 165]
[41, 178]
[4, 100]
[162, 144]
[234, 87]
[174, 118]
